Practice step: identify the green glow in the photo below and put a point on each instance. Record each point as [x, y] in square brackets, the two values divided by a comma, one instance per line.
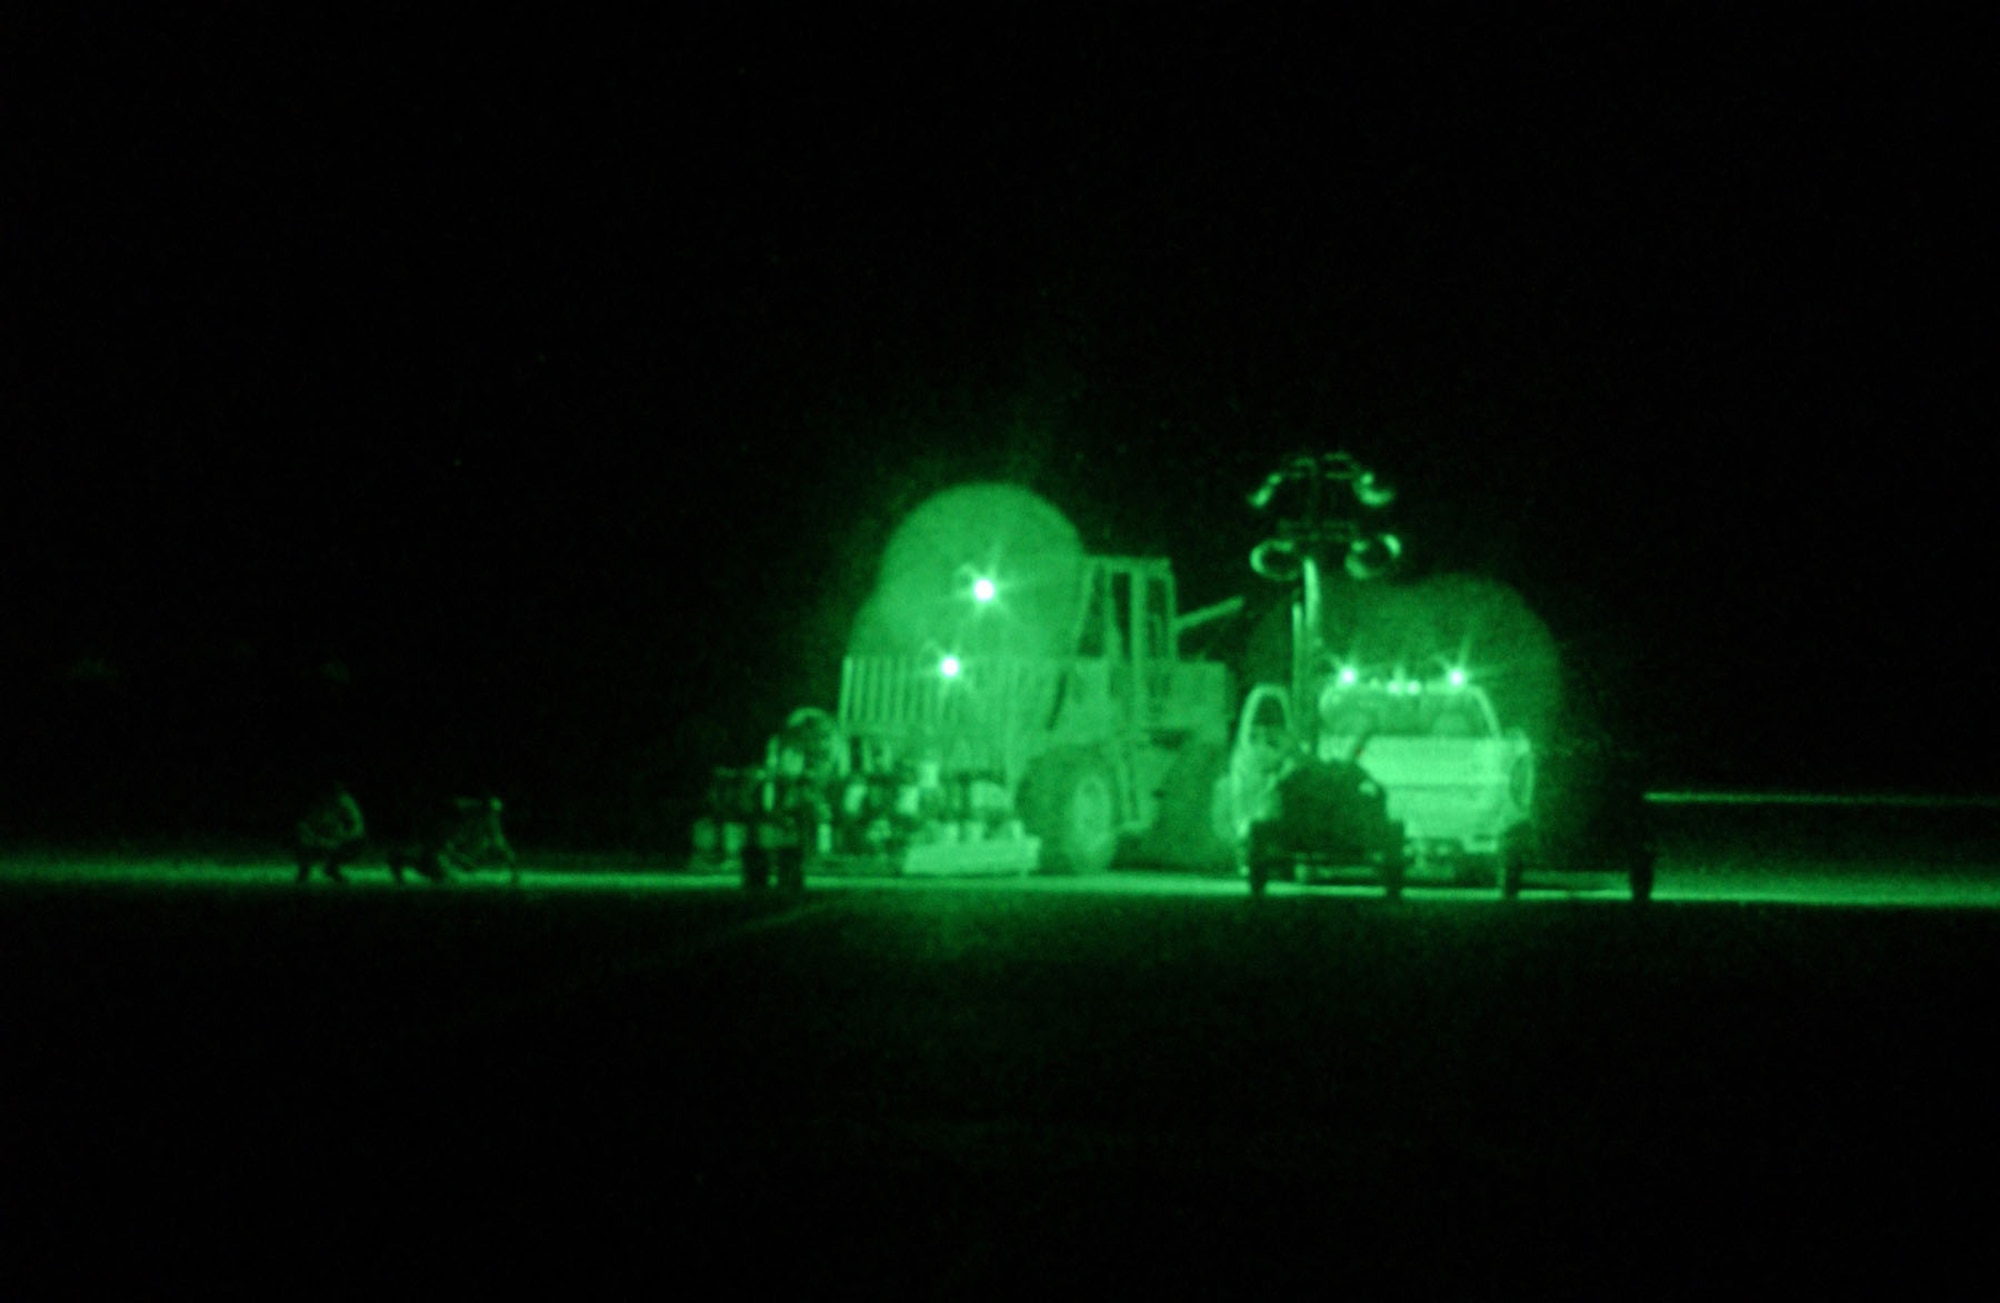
[1372, 492]
[1456, 678]
[1348, 677]
[1397, 709]
[1686, 880]
[1369, 557]
[1435, 625]
[982, 590]
[949, 667]
[936, 558]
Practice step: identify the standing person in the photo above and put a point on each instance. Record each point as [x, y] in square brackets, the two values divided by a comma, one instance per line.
[332, 833]
[803, 811]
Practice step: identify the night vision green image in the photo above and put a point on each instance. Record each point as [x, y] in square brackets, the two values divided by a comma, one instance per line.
[975, 653]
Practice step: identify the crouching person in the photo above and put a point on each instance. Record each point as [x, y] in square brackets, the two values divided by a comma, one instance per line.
[464, 838]
[332, 834]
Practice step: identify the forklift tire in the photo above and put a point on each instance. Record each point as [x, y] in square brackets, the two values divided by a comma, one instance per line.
[1186, 832]
[1073, 808]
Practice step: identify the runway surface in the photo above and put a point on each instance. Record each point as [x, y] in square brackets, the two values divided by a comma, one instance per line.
[1139, 1082]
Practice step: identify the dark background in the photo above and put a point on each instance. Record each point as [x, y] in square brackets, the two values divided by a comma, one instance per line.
[497, 406]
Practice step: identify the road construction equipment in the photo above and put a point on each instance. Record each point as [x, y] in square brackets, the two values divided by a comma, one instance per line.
[1008, 705]
[1398, 773]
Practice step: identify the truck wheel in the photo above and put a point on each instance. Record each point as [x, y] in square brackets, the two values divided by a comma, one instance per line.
[1395, 860]
[1513, 868]
[1264, 856]
[1073, 809]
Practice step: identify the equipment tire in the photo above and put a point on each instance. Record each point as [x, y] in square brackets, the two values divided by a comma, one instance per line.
[1073, 808]
[756, 864]
[1521, 785]
[1394, 868]
[1641, 876]
[1513, 861]
[1260, 859]
[790, 869]
[1395, 861]
[1186, 833]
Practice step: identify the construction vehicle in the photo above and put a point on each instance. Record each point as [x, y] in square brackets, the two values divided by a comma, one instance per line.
[969, 738]
[1405, 771]
[1460, 783]
[1370, 770]
[982, 741]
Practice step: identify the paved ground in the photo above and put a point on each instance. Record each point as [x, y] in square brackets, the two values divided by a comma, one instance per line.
[1142, 1083]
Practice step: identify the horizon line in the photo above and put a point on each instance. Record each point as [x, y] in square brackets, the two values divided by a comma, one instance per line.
[1935, 801]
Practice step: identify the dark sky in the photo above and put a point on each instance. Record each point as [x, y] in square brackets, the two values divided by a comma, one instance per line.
[559, 384]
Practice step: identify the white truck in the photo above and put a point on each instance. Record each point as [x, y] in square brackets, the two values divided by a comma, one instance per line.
[1355, 767]
[1445, 794]
[1462, 786]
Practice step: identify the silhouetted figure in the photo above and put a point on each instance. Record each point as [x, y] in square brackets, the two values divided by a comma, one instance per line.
[332, 833]
[787, 804]
[785, 827]
[463, 839]
[1625, 827]
[804, 811]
